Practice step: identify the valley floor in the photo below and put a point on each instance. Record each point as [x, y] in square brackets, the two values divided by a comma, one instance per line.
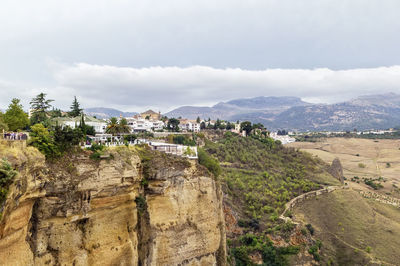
[362, 158]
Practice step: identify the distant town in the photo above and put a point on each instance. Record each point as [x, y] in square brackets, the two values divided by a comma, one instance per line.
[148, 123]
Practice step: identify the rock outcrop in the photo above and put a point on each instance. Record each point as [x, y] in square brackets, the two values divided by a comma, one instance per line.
[112, 212]
[336, 170]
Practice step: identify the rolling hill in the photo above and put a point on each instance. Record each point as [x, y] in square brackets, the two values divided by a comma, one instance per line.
[364, 112]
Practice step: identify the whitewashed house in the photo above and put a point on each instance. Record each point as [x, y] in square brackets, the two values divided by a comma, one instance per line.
[73, 122]
[139, 124]
[189, 125]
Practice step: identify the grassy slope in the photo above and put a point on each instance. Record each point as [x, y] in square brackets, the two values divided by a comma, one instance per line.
[260, 176]
[347, 224]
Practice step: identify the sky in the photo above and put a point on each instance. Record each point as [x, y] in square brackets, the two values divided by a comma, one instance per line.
[161, 54]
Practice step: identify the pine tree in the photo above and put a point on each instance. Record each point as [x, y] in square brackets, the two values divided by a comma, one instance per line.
[39, 108]
[75, 108]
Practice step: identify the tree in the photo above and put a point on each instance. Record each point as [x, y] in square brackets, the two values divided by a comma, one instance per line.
[217, 124]
[203, 125]
[3, 125]
[39, 108]
[65, 138]
[82, 124]
[282, 132]
[55, 113]
[15, 117]
[198, 119]
[75, 108]
[173, 124]
[246, 126]
[90, 130]
[112, 127]
[43, 141]
[258, 126]
[123, 126]
[164, 118]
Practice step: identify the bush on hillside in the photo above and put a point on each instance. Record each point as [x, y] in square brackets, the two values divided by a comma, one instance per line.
[7, 174]
[209, 162]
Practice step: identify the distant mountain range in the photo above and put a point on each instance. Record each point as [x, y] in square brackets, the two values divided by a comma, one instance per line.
[236, 109]
[292, 113]
[102, 112]
[364, 112]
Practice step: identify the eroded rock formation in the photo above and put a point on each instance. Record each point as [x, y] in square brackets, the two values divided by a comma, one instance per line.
[336, 170]
[112, 212]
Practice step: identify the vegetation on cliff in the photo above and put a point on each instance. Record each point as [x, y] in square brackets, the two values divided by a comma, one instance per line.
[7, 174]
[259, 177]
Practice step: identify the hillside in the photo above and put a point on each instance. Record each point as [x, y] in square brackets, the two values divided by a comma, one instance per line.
[259, 177]
[353, 230]
[340, 227]
[364, 112]
[228, 110]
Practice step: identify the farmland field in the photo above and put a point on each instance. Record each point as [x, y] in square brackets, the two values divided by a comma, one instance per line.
[363, 158]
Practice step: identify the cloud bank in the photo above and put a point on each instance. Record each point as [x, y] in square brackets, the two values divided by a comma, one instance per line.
[168, 87]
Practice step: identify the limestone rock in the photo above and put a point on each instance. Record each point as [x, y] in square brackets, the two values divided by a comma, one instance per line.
[84, 212]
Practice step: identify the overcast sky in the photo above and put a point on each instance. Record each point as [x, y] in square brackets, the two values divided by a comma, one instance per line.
[135, 55]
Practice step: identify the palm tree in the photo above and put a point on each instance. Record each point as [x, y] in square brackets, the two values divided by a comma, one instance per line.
[123, 126]
[112, 127]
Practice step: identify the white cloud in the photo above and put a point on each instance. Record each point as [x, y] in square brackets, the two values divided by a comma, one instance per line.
[167, 87]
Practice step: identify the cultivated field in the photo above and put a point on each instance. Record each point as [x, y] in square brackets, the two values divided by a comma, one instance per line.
[361, 157]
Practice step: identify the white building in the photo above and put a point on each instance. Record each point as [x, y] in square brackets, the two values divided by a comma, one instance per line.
[73, 122]
[139, 124]
[284, 139]
[189, 125]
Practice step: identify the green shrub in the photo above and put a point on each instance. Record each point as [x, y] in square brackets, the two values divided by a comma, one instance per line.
[310, 228]
[43, 141]
[7, 174]
[209, 162]
[314, 250]
[95, 155]
[371, 182]
[141, 204]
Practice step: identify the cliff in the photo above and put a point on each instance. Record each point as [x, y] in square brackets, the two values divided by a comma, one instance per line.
[151, 209]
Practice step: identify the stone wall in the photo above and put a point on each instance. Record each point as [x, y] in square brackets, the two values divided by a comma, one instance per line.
[295, 201]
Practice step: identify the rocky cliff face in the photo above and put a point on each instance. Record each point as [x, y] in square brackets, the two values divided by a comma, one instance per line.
[111, 212]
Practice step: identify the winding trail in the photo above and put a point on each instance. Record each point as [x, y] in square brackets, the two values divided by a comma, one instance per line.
[293, 202]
